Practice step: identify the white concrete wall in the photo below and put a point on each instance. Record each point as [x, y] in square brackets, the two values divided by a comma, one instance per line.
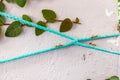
[64, 64]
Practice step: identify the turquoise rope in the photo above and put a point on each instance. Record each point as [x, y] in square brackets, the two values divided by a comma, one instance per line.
[98, 37]
[36, 53]
[97, 48]
[74, 41]
[35, 25]
[51, 49]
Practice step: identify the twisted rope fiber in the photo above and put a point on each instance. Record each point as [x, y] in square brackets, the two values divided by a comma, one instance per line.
[74, 41]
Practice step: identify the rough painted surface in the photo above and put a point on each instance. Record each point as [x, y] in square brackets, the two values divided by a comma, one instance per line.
[69, 63]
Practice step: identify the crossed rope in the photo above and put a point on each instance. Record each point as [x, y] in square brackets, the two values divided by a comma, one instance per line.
[74, 41]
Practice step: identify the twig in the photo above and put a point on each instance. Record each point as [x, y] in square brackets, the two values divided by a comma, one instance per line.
[72, 21]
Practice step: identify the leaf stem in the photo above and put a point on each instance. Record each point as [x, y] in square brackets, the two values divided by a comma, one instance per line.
[6, 24]
[9, 24]
[45, 22]
[72, 21]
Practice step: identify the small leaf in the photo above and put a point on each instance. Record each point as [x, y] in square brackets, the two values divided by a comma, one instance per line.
[49, 15]
[21, 3]
[2, 6]
[113, 78]
[77, 20]
[27, 18]
[40, 31]
[0, 30]
[14, 29]
[9, 0]
[2, 20]
[66, 25]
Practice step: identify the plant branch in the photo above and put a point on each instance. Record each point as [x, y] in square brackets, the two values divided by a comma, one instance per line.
[72, 21]
[9, 24]
[6, 24]
[62, 21]
[46, 22]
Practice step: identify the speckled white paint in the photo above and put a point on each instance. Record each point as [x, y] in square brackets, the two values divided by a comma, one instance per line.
[64, 64]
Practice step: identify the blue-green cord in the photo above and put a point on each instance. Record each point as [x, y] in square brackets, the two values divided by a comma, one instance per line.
[36, 25]
[36, 53]
[74, 41]
[50, 49]
[98, 37]
[54, 48]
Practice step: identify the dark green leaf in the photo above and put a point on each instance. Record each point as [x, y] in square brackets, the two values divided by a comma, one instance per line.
[26, 17]
[113, 78]
[9, 0]
[66, 25]
[14, 29]
[49, 15]
[2, 6]
[2, 20]
[21, 3]
[40, 31]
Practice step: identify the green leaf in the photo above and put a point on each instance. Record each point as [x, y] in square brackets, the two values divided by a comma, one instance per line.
[113, 78]
[2, 6]
[26, 17]
[2, 20]
[14, 29]
[49, 15]
[118, 0]
[40, 31]
[0, 30]
[66, 25]
[9, 0]
[21, 3]
[77, 20]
